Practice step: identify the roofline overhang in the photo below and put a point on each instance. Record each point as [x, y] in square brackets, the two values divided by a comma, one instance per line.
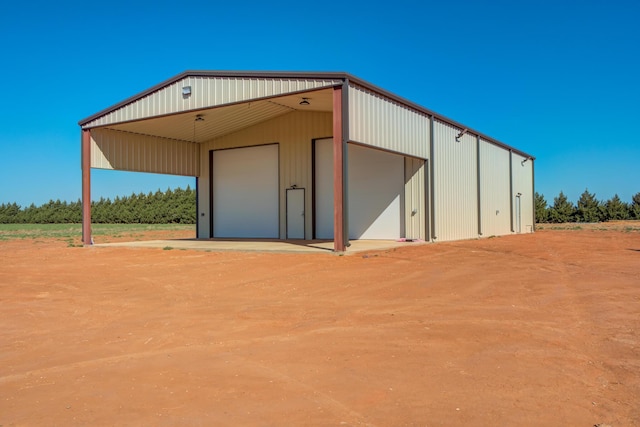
[343, 76]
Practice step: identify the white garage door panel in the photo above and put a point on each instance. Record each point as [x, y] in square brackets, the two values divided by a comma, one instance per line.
[324, 189]
[245, 192]
[375, 185]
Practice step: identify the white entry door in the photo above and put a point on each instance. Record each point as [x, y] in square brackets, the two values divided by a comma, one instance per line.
[295, 213]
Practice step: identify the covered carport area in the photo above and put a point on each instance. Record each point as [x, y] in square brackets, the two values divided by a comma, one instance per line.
[183, 127]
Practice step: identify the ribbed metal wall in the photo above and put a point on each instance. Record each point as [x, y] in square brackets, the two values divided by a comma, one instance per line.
[380, 122]
[414, 198]
[455, 183]
[294, 133]
[141, 153]
[494, 190]
[206, 92]
[523, 183]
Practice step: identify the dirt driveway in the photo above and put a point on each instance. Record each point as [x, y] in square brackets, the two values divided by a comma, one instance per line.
[529, 330]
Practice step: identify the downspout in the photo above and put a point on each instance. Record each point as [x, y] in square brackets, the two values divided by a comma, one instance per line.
[511, 189]
[86, 187]
[433, 204]
[478, 184]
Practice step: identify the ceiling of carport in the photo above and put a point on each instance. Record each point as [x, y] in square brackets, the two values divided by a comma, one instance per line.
[224, 120]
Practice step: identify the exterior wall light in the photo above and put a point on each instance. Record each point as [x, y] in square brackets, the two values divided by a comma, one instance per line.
[465, 130]
[305, 101]
[186, 92]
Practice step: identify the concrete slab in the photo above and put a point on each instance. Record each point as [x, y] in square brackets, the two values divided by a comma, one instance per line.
[266, 245]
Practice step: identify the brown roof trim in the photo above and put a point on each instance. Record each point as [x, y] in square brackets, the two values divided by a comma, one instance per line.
[302, 75]
[435, 115]
[199, 73]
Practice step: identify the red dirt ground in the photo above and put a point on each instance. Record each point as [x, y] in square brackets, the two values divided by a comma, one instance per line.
[538, 330]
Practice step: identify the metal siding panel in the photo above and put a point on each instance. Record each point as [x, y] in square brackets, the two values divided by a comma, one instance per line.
[455, 181]
[494, 189]
[140, 153]
[206, 92]
[380, 122]
[294, 133]
[523, 183]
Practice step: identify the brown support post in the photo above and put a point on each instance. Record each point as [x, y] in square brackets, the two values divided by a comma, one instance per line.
[338, 172]
[86, 187]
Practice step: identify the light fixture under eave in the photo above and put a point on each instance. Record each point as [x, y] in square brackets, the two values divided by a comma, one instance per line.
[305, 101]
[198, 118]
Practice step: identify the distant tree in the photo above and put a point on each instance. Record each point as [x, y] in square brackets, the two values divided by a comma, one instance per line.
[562, 209]
[10, 213]
[616, 209]
[634, 207]
[588, 208]
[542, 213]
[172, 206]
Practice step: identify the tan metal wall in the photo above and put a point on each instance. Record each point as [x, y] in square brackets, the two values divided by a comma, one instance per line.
[206, 92]
[125, 151]
[294, 133]
[523, 183]
[455, 184]
[494, 190]
[415, 198]
[380, 122]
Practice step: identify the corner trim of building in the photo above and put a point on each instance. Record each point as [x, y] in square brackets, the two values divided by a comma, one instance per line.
[86, 187]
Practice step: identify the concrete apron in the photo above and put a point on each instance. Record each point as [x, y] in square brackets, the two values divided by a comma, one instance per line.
[266, 245]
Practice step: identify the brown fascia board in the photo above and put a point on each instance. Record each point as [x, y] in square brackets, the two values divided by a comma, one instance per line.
[304, 75]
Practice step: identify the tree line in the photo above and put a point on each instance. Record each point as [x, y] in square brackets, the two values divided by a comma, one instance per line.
[169, 207]
[179, 207]
[588, 209]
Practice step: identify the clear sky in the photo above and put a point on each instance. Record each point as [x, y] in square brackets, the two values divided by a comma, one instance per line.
[558, 79]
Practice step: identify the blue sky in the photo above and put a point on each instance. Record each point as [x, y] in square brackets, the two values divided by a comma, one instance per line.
[556, 79]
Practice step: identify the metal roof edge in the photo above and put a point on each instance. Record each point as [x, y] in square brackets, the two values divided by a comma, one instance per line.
[303, 75]
[204, 73]
[418, 107]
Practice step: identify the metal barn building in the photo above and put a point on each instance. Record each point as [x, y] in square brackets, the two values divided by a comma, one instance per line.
[313, 156]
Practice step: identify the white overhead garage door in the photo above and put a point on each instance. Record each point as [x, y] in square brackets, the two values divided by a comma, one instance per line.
[375, 187]
[245, 192]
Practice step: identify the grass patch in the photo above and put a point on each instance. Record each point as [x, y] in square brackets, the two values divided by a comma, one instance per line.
[625, 226]
[72, 233]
